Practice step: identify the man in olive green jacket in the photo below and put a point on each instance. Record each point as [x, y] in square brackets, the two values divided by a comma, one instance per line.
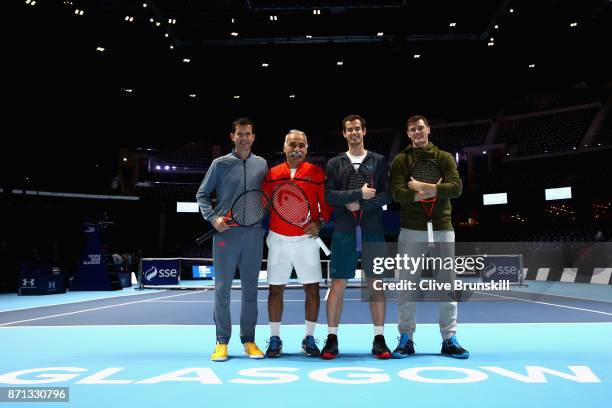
[413, 236]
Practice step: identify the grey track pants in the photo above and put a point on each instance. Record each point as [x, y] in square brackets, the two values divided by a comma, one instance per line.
[242, 247]
[416, 241]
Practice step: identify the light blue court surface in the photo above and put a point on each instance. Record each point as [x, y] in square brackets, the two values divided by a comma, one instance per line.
[545, 346]
[512, 365]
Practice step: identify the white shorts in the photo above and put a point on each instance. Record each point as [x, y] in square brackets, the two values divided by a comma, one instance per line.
[286, 253]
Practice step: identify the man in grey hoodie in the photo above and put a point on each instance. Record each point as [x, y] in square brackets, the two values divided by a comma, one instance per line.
[230, 176]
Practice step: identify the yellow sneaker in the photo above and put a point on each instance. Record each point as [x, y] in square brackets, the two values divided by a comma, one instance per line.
[220, 353]
[251, 350]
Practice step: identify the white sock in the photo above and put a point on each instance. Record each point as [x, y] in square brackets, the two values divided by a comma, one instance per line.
[275, 328]
[379, 330]
[332, 330]
[310, 328]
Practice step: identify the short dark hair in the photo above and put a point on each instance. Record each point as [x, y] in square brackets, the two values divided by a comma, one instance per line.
[351, 118]
[243, 122]
[416, 118]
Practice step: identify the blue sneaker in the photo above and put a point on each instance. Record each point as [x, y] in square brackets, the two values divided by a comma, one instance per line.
[275, 347]
[404, 348]
[451, 348]
[309, 347]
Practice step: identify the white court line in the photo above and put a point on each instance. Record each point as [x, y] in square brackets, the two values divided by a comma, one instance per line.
[98, 326]
[563, 296]
[547, 304]
[233, 300]
[145, 292]
[291, 300]
[326, 294]
[92, 309]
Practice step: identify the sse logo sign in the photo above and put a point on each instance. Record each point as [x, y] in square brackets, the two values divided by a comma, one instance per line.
[162, 272]
[503, 267]
[500, 270]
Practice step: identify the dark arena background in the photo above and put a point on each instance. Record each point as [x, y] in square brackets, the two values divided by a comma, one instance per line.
[115, 109]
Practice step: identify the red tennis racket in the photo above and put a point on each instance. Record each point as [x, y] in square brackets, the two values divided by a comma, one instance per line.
[290, 202]
[427, 171]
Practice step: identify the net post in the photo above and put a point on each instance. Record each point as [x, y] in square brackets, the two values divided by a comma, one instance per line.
[139, 286]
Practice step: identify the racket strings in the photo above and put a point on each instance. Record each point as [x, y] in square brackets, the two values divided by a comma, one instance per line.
[426, 172]
[353, 178]
[291, 204]
[250, 208]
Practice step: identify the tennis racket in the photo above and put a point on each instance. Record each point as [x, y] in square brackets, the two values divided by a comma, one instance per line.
[427, 171]
[352, 177]
[248, 209]
[290, 202]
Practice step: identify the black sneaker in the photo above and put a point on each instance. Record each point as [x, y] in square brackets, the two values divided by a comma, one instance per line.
[330, 350]
[404, 348]
[309, 347]
[379, 348]
[275, 347]
[451, 348]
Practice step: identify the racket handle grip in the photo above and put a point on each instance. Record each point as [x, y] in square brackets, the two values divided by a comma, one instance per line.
[430, 234]
[324, 247]
[206, 237]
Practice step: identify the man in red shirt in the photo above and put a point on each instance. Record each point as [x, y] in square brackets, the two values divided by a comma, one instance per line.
[290, 246]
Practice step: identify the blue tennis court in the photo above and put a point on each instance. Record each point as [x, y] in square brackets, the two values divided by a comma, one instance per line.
[536, 346]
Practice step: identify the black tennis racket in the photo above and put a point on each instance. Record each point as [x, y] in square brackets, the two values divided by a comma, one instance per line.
[352, 177]
[248, 209]
[427, 171]
[290, 202]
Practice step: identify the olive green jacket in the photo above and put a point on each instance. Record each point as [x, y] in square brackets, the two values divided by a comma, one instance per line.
[412, 214]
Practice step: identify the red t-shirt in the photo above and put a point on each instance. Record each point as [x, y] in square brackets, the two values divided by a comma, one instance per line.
[311, 179]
